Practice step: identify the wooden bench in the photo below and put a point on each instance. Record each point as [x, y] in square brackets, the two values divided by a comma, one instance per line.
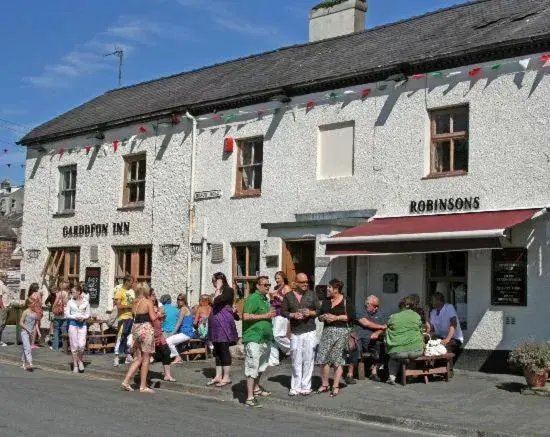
[426, 366]
[98, 339]
[362, 364]
[194, 349]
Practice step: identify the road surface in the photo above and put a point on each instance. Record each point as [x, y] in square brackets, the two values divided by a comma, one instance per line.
[47, 403]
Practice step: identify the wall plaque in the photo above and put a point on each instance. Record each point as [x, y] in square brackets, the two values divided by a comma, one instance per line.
[92, 284]
[206, 195]
[272, 261]
[322, 261]
[509, 277]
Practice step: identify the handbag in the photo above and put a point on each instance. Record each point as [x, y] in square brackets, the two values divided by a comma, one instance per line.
[353, 338]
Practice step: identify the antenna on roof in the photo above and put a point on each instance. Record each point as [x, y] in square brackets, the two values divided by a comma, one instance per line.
[119, 53]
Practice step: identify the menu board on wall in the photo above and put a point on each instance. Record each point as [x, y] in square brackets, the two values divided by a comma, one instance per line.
[509, 277]
[92, 284]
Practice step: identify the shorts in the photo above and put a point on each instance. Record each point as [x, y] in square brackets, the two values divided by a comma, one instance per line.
[256, 359]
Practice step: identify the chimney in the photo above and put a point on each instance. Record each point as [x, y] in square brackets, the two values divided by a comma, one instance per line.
[336, 17]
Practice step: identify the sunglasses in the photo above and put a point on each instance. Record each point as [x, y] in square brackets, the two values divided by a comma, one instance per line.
[266, 285]
[302, 282]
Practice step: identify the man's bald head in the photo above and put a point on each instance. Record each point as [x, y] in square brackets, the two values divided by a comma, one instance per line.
[302, 282]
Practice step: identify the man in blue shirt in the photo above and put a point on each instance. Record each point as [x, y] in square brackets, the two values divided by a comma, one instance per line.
[172, 314]
[371, 324]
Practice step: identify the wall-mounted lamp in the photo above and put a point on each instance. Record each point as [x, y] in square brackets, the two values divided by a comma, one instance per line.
[169, 249]
[32, 254]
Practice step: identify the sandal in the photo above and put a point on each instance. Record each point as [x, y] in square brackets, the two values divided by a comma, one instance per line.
[335, 392]
[146, 390]
[169, 379]
[212, 382]
[126, 387]
[222, 383]
[322, 389]
[261, 392]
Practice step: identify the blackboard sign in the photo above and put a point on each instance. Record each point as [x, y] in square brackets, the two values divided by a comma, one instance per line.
[92, 284]
[509, 277]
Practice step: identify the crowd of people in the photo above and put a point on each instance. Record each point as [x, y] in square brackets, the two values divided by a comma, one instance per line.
[278, 321]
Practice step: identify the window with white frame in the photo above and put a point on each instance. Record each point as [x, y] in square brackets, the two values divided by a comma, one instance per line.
[134, 180]
[249, 166]
[67, 189]
[335, 150]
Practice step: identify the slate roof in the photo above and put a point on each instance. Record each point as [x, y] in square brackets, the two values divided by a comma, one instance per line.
[471, 32]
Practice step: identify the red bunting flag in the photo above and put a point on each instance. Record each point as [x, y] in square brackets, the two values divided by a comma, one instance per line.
[310, 104]
[545, 58]
[115, 145]
[417, 76]
[61, 151]
[216, 117]
[142, 129]
[365, 92]
[474, 71]
[88, 147]
[175, 120]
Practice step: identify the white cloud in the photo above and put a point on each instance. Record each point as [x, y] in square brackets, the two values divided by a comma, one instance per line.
[220, 13]
[126, 33]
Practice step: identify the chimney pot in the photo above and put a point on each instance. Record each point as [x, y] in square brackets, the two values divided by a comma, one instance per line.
[336, 17]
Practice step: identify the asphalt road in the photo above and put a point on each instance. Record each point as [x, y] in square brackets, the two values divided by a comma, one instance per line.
[46, 403]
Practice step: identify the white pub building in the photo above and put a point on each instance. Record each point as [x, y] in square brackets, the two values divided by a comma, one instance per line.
[408, 158]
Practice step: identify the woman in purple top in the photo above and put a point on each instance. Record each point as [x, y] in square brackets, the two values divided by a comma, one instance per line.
[222, 331]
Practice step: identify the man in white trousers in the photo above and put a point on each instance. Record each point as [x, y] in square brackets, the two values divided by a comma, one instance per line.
[301, 307]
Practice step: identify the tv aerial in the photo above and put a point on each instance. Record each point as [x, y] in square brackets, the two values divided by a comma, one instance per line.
[119, 53]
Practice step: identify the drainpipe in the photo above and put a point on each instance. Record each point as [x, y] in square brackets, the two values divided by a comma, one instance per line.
[203, 254]
[191, 212]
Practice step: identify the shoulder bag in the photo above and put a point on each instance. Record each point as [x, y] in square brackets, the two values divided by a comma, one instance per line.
[353, 338]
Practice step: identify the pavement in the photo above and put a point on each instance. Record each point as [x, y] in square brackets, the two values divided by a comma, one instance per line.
[471, 404]
[44, 404]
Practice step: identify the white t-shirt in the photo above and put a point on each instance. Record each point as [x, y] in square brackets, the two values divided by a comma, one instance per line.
[442, 321]
[5, 292]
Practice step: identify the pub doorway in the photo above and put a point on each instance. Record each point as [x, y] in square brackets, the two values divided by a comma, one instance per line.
[299, 257]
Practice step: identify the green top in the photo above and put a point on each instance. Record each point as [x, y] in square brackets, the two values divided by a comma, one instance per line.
[257, 331]
[404, 333]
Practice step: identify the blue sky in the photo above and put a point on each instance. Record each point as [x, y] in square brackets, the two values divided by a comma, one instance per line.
[53, 51]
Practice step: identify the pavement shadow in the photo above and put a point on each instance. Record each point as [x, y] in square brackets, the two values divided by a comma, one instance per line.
[209, 372]
[239, 391]
[512, 387]
[284, 380]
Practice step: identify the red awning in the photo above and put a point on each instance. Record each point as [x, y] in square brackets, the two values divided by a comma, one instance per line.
[429, 233]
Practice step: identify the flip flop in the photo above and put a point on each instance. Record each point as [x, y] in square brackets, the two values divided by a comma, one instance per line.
[126, 387]
[146, 390]
[261, 392]
[222, 383]
[169, 379]
[212, 382]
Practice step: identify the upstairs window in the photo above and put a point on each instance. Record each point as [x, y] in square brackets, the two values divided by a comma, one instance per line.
[449, 141]
[67, 189]
[335, 150]
[246, 266]
[133, 261]
[134, 180]
[249, 167]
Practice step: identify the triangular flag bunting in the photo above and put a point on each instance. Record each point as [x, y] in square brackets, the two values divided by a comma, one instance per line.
[5, 150]
[365, 92]
[87, 147]
[9, 165]
[474, 71]
[495, 66]
[115, 145]
[61, 151]
[437, 74]
[545, 58]
[142, 129]
[417, 76]
[310, 104]
[524, 63]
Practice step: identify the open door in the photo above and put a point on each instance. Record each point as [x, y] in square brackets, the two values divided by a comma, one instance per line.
[299, 257]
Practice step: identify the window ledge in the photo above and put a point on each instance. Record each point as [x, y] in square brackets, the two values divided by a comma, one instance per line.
[246, 196]
[134, 207]
[63, 214]
[448, 174]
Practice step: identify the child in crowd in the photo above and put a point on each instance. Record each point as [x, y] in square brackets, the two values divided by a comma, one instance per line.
[29, 324]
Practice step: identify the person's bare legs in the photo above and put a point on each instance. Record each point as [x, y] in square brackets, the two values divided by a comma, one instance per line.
[133, 367]
[226, 378]
[144, 371]
[336, 383]
[325, 371]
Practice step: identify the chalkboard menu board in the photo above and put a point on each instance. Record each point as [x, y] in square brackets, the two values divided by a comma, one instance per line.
[509, 274]
[92, 284]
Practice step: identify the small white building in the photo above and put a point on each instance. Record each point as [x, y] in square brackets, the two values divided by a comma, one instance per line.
[408, 158]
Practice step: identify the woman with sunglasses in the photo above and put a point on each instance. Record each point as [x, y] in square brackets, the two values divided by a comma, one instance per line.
[222, 331]
[183, 331]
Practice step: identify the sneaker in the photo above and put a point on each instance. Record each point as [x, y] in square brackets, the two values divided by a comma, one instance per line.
[253, 403]
[293, 393]
[374, 377]
[128, 360]
[349, 380]
[2, 344]
[75, 369]
[116, 361]
[81, 366]
[390, 381]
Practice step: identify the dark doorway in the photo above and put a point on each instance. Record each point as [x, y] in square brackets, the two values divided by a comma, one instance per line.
[299, 257]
